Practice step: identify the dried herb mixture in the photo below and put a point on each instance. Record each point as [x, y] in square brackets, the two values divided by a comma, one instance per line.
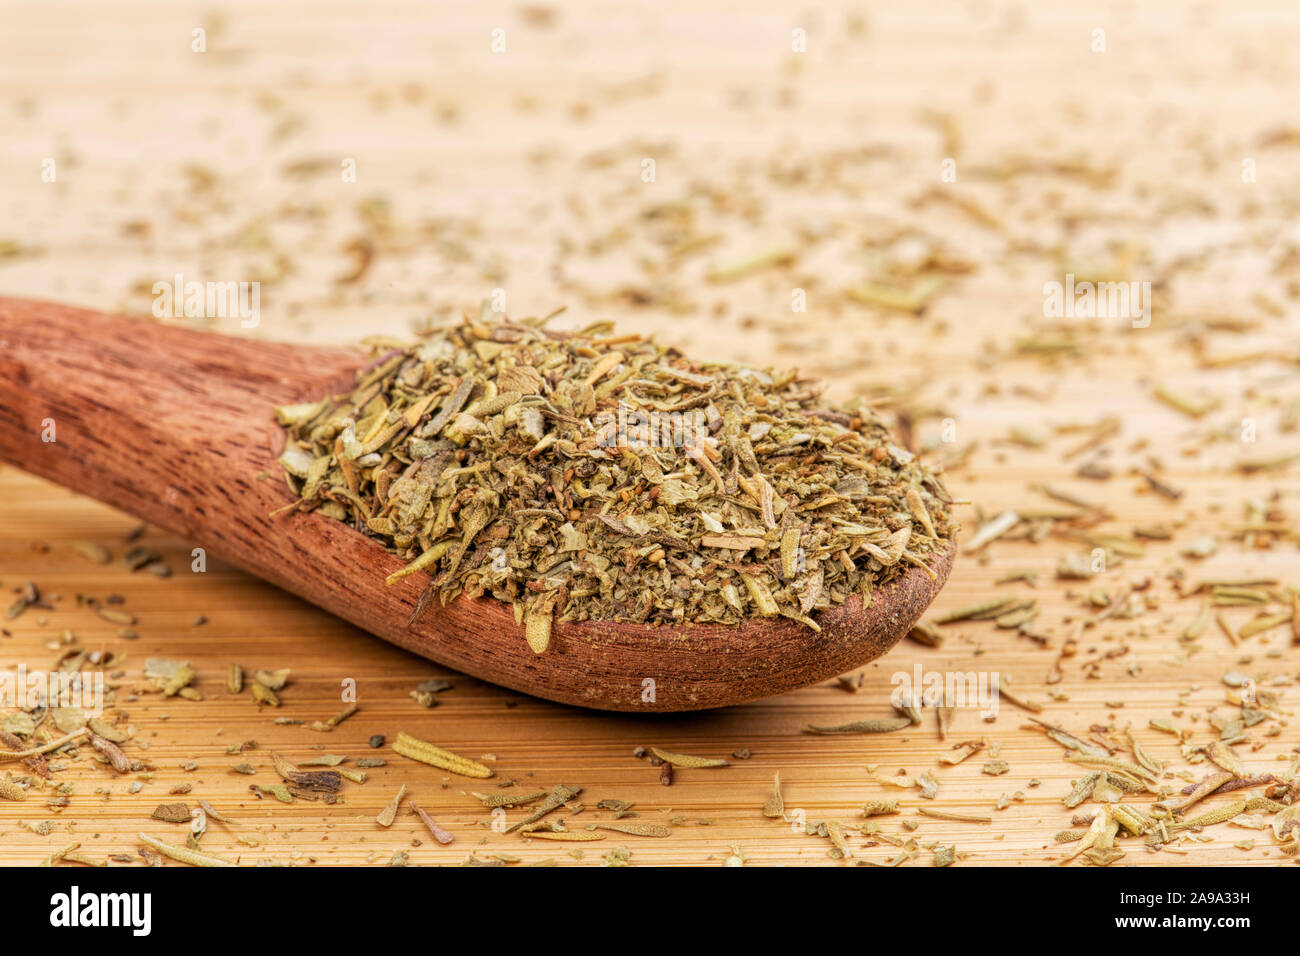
[595, 476]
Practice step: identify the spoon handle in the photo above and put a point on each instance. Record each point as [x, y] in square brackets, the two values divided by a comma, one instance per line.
[166, 423]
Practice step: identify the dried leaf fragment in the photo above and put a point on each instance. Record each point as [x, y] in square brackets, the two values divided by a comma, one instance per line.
[420, 750]
[438, 833]
[775, 805]
[389, 813]
[881, 725]
[638, 829]
[689, 761]
[184, 854]
[173, 813]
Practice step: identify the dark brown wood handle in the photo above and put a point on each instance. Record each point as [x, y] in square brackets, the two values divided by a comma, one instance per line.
[163, 422]
[175, 426]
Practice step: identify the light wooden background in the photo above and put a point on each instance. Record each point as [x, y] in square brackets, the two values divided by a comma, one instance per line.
[522, 171]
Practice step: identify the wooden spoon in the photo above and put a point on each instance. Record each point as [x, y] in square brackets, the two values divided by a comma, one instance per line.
[175, 426]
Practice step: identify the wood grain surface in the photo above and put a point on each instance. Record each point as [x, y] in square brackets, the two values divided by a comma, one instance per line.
[1171, 157]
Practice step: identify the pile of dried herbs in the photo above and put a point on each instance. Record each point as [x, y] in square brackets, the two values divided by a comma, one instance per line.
[605, 477]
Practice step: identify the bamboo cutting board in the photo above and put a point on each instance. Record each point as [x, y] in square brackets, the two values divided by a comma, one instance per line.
[808, 172]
